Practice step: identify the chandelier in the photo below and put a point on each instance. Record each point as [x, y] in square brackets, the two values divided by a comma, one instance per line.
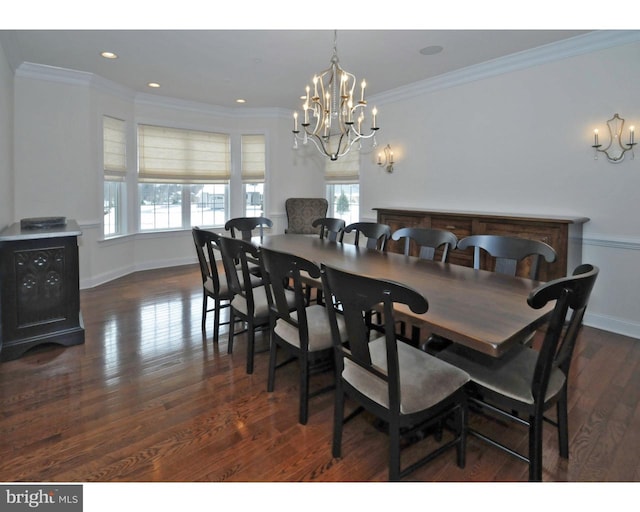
[333, 118]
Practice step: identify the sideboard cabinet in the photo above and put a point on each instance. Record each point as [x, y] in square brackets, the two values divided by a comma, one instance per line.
[564, 234]
[40, 298]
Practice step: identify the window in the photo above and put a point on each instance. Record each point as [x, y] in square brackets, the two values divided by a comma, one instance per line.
[115, 171]
[183, 177]
[253, 174]
[343, 188]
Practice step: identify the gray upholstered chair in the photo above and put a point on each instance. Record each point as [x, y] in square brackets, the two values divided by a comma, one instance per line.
[302, 211]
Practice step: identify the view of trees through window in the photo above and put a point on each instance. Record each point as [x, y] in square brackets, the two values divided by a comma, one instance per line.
[344, 201]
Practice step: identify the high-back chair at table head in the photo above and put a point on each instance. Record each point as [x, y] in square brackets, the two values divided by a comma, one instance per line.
[302, 211]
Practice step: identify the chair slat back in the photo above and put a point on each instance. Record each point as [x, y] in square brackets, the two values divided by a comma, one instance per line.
[330, 228]
[354, 296]
[508, 251]
[429, 240]
[376, 234]
[236, 250]
[204, 242]
[572, 296]
[245, 226]
[284, 271]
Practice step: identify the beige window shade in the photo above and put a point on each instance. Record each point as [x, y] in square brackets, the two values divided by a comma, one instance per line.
[114, 147]
[253, 158]
[173, 155]
[344, 170]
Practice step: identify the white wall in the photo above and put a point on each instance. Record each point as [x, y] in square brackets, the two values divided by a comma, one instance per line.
[6, 141]
[517, 141]
[520, 142]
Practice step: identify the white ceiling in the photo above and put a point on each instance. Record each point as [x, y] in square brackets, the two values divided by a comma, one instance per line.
[268, 68]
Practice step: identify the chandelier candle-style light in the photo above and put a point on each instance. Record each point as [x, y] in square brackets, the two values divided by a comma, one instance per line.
[333, 118]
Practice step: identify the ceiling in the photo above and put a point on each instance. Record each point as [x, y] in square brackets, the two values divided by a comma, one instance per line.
[268, 68]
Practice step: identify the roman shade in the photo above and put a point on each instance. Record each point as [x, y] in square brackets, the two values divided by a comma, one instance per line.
[253, 158]
[114, 147]
[173, 155]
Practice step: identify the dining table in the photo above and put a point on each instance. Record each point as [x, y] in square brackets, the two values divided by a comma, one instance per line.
[482, 310]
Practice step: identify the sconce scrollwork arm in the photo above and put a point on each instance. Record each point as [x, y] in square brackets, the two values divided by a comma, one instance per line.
[616, 149]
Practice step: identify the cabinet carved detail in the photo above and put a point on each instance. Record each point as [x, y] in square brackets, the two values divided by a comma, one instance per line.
[39, 274]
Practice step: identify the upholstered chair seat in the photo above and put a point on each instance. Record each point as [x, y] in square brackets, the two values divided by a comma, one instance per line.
[419, 371]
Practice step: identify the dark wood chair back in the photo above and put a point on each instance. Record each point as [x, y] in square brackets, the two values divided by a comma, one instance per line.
[376, 234]
[369, 367]
[204, 242]
[510, 253]
[572, 296]
[245, 226]
[428, 240]
[284, 271]
[330, 228]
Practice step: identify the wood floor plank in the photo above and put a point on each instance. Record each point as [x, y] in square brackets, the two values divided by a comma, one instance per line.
[148, 397]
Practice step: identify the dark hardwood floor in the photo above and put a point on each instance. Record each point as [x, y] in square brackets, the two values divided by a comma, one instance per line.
[147, 398]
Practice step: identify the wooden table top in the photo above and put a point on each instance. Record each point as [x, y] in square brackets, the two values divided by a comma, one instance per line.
[482, 310]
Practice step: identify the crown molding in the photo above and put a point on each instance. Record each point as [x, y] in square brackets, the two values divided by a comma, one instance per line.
[587, 43]
[231, 112]
[579, 45]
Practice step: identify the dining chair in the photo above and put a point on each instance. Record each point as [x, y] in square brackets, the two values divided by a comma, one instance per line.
[302, 211]
[526, 382]
[399, 384]
[330, 228]
[303, 333]
[376, 234]
[428, 240]
[214, 286]
[250, 303]
[509, 252]
[511, 255]
[245, 226]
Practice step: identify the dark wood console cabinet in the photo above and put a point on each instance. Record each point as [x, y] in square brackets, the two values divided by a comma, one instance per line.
[40, 298]
[564, 234]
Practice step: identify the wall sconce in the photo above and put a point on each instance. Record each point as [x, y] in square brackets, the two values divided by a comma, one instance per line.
[616, 149]
[386, 159]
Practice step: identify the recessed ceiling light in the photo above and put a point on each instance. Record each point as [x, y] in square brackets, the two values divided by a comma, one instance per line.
[240, 100]
[153, 84]
[431, 50]
[109, 55]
